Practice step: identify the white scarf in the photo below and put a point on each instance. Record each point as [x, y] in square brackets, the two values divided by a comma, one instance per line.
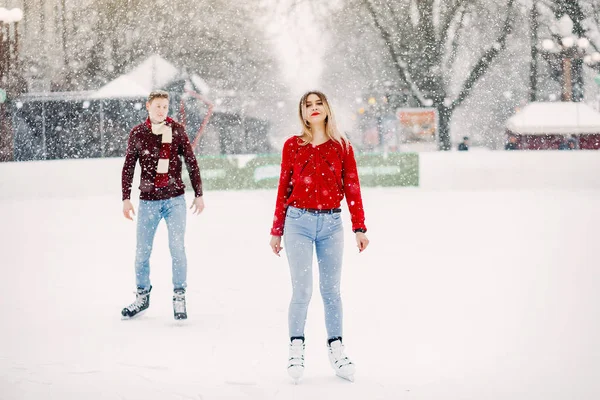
[167, 136]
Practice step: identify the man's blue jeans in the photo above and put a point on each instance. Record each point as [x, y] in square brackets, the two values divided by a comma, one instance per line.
[150, 213]
[324, 232]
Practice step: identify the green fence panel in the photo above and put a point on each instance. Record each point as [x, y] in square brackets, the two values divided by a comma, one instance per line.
[395, 169]
[218, 173]
[262, 171]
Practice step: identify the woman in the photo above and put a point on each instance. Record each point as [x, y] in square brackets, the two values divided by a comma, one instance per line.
[317, 170]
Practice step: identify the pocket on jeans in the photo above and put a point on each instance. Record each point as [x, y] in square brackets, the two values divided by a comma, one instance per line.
[293, 213]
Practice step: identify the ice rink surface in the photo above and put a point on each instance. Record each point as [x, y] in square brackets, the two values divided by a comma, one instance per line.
[461, 295]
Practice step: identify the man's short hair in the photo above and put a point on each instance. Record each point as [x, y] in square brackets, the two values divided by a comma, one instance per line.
[158, 94]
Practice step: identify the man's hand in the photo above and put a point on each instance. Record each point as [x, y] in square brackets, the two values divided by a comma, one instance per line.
[127, 208]
[276, 244]
[361, 241]
[197, 205]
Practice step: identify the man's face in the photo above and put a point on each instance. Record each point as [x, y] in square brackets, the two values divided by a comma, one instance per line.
[158, 109]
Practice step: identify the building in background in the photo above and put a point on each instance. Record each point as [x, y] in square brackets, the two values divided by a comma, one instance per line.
[90, 124]
[548, 125]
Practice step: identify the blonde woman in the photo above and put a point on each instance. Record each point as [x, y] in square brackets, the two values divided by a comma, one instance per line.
[318, 170]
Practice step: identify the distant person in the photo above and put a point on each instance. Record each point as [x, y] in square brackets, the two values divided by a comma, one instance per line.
[318, 170]
[573, 143]
[159, 144]
[569, 144]
[512, 143]
[563, 145]
[464, 146]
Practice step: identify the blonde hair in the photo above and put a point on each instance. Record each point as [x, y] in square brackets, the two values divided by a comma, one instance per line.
[331, 129]
[158, 94]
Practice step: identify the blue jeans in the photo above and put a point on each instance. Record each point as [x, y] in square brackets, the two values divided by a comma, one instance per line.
[150, 213]
[303, 231]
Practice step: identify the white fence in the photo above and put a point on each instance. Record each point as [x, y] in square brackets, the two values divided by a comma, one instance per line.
[485, 170]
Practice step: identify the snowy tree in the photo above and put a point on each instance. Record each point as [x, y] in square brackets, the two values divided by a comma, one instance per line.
[422, 45]
[86, 43]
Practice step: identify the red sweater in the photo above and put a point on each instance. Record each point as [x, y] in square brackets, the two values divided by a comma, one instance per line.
[317, 177]
[145, 146]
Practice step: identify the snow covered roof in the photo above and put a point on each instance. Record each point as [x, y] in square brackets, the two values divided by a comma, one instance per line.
[152, 73]
[541, 118]
[199, 84]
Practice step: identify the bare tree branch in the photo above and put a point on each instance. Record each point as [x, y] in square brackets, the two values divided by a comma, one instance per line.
[454, 9]
[398, 19]
[595, 14]
[455, 40]
[393, 13]
[548, 3]
[486, 59]
[595, 9]
[426, 29]
[401, 65]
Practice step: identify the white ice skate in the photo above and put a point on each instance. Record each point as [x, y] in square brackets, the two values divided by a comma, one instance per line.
[341, 364]
[296, 360]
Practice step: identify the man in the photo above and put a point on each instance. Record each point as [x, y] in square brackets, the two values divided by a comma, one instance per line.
[569, 144]
[464, 146]
[158, 144]
[512, 143]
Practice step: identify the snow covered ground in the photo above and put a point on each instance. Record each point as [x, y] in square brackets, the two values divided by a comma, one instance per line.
[463, 294]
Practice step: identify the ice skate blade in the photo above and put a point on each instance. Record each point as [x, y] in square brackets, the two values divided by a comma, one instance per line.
[126, 317]
[296, 373]
[349, 378]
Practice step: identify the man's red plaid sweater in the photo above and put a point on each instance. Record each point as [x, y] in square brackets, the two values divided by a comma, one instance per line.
[145, 146]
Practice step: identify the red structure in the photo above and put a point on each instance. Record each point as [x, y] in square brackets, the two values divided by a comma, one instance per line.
[207, 116]
[549, 126]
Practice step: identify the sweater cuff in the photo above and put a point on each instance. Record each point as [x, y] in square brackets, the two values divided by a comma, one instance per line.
[359, 230]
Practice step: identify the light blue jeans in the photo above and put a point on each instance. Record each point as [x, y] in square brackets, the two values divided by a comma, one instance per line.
[150, 213]
[324, 232]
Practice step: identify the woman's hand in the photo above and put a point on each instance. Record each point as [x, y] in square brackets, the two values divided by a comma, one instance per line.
[276, 244]
[361, 241]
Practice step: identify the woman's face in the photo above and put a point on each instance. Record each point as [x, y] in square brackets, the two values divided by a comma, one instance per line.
[314, 109]
[158, 109]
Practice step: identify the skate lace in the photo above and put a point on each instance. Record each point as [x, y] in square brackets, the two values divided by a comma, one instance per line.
[138, 303]
[296, 354]
[339, 357]
[179, 303]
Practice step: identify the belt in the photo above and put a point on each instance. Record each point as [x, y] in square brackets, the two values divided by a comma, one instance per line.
[321, 211]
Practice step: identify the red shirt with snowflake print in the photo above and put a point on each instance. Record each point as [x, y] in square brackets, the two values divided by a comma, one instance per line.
[318, 177]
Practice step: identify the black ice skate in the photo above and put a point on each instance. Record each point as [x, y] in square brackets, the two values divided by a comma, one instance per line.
[142, 301]
[179, 311]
